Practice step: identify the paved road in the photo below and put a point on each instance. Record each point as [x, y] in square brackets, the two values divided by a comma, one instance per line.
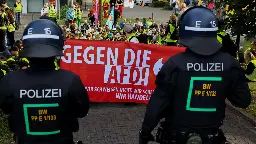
[118, 124]
[159, 15]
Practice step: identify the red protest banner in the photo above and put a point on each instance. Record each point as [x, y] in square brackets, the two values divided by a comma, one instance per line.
[116, 71]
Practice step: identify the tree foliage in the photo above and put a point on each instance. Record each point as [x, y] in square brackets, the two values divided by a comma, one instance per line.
[243, 21]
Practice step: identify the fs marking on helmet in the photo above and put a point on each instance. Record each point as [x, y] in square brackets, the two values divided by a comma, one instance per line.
[47, 34]
[198, 27]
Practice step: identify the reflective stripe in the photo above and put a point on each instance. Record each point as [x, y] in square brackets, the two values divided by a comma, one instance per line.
[38, 36]
[56, 65]
[200, 29]
[10, 59]
[131, 36]
[4, 72]
[252, 77]
[220, 38]
[25, 59]
[3, 27]
[149, 41]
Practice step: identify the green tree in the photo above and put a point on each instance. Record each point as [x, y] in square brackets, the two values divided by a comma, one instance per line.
[243, 21]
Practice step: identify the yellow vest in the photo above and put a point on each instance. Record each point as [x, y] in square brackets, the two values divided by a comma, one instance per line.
[131, 36]
[52, 12]
[226, 7]
[159, 40]
[199, 2]
[11, 28]
[18, 7]
[219, 38]
[3, 71]
[4, 26]
[149, 23]
[168, 38]
[252, 77]
[57, 67]
[79, 13]
[149, 41]
[231, 12]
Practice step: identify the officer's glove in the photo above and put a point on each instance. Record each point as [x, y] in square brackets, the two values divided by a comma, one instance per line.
[145, 138]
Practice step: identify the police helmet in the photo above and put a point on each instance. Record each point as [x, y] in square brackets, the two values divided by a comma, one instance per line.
[41, 39]
[198, 30]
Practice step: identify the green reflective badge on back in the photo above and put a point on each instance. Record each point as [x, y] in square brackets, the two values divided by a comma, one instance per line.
[41, 119]
[202, 92]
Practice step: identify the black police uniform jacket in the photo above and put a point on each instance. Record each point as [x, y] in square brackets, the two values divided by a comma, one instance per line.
[43, 104]
[191, 90]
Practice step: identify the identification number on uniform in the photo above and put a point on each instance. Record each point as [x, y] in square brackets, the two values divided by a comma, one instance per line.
[41, 119]
[202, 94]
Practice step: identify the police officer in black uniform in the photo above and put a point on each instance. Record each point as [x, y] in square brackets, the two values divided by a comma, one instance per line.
[192, 86]
[43, 103]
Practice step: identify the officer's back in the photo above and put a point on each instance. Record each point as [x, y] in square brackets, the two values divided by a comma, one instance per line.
[205, 77]
[192, 86]
[43, 103]
[201, 86]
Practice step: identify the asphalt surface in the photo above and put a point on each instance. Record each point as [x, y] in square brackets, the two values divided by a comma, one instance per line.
[159, 15]
[114, 123]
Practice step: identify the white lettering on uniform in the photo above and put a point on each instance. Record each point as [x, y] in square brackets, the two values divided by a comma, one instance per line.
[205, 67]
[198, 23]
[30, 31]
[44, 93]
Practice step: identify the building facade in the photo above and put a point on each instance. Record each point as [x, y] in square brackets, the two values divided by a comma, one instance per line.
[34, 6]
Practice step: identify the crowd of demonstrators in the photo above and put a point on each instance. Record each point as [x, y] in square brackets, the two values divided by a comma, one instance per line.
[74, 16]
[8, 26]
[146, 31]
[249, 62]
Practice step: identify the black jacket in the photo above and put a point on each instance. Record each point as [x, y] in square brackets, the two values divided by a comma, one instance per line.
[43, 100]
[176, 82]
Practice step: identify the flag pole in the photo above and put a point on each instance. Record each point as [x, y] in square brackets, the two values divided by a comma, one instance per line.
[100, 13]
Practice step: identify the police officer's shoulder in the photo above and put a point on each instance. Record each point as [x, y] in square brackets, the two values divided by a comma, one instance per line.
[178, 59]
[11, 76]
[233, 62]
[172, 63]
